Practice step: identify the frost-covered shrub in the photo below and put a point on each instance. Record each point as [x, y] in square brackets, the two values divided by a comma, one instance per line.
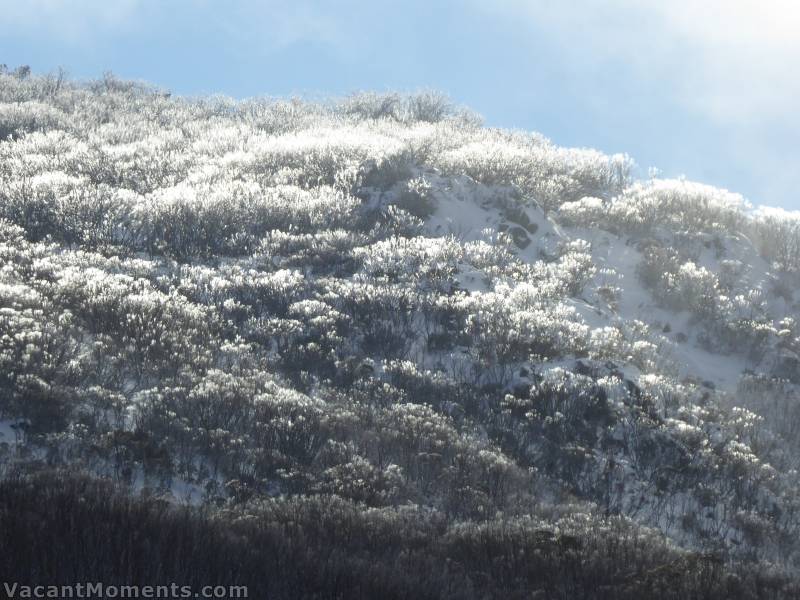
[155, 328]
[372, 105]
[730, 317]
[777, 235]
[680, 204]
[768, 406]
[383, 315]
[274, 116]
[746, 323]
[414, 429]
[656, 265]
[334, 156]
[730, 273]
[361, 481]
[680, 285]
[21, 118]
[556, 422]
[674, 204]
[428, 107]
[545, 174]
[264, 292]
[62, 207]
[623, 342]
[576, 266]
[694, 288]
[34, 355]
[586, 212]
[324, 250]
[565, 398]
[432, 262]
[230, 219]
[510, 325]
[417, 199]
[425, 107]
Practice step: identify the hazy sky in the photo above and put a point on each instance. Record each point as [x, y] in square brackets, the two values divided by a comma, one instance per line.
[705, 88]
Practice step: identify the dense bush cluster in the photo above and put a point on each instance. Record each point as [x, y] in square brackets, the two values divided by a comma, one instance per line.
[327, 547]
[288, 329]
[676, 205]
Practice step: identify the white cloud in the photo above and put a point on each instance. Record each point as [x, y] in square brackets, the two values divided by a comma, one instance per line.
[251, 24]
[73, 21]
[745, 66]
[272, 24]
[727, 58]
[730, 62]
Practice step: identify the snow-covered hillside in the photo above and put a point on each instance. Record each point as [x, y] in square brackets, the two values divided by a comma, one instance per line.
[286, 312]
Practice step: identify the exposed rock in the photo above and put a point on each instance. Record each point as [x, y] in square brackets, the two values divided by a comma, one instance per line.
[519, 237]
[520, 217]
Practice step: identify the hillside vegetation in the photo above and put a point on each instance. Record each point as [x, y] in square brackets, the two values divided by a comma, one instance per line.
[371, 347]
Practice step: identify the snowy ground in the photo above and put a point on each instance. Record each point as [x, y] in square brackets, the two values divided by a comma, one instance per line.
[466, 210]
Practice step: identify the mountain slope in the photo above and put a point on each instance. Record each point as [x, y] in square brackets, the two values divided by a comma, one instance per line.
[379, 310]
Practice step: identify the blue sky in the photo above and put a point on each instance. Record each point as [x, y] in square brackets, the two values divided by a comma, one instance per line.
[706, 89]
